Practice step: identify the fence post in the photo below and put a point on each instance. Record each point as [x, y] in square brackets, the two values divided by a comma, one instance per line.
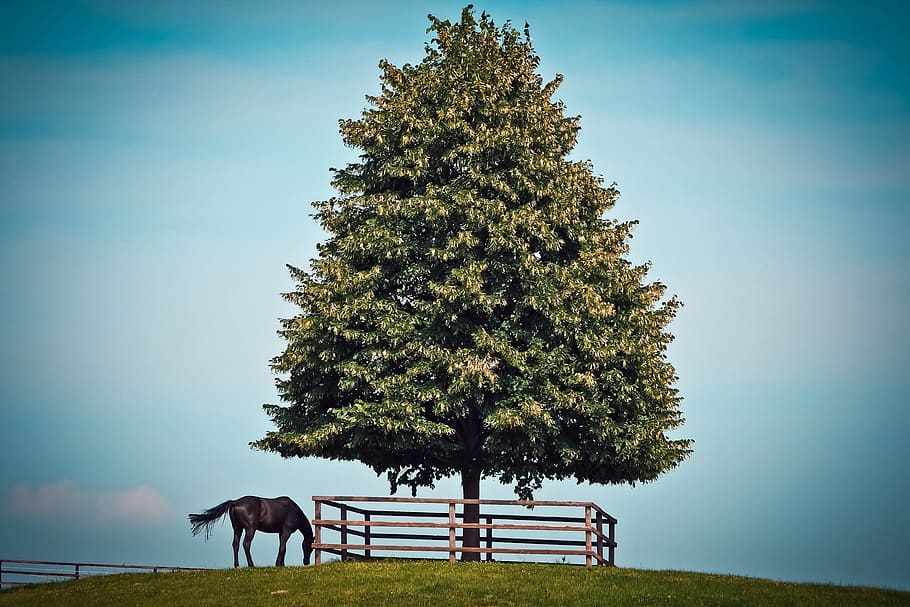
[451, 532]
[612, 547]
[366, 535]
[588, 536]
[489, 520]
[600, 537]
[76, 566]
[344, 531]
[317, 512]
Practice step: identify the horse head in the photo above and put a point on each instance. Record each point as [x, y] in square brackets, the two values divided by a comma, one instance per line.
[307, 549]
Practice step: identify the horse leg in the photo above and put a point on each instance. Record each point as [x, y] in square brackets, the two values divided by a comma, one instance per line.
[247, 540]
[236, 544]
[282, 546]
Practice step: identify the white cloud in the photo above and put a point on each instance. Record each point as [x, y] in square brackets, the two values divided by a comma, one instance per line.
[46, 501]
[142, 504]
[64, 500]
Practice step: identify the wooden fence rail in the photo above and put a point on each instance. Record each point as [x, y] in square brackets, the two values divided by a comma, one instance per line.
[21, 572]
[362, 518]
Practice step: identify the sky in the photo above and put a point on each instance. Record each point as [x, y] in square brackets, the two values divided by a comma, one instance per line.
[157, 165]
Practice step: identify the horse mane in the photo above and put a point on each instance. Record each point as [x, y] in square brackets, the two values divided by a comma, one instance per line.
[307, 530]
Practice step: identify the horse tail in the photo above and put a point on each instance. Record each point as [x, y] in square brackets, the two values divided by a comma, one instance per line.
[205, 521]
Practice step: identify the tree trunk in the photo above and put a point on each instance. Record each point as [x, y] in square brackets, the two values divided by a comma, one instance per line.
[470, 486]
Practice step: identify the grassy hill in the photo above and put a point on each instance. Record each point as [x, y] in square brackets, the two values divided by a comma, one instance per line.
[439, 584]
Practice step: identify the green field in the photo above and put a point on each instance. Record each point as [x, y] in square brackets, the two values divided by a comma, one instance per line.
[439, 584]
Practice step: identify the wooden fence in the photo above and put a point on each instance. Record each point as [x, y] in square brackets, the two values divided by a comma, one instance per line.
[19, 572]
[529, 534]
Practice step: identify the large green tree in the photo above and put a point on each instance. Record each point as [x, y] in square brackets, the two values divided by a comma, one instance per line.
[473, 311]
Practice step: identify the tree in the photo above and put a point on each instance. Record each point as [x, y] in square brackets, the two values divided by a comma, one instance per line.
[473, 311]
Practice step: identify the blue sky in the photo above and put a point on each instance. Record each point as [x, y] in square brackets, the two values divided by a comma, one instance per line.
[157, 161]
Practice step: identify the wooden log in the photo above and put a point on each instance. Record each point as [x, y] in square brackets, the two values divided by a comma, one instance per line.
[393, 548]
[452, 523]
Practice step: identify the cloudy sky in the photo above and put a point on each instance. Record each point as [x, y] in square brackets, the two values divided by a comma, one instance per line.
[157, 161]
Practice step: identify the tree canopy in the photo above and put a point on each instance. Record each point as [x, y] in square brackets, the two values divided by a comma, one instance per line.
[473, 310]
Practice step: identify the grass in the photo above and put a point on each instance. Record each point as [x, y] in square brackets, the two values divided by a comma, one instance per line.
[439, 584]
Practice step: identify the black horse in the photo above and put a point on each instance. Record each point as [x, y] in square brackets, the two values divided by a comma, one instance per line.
[276, 515]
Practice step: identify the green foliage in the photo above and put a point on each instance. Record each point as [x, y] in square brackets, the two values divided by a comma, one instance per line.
[439, 583]
[473, 311]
